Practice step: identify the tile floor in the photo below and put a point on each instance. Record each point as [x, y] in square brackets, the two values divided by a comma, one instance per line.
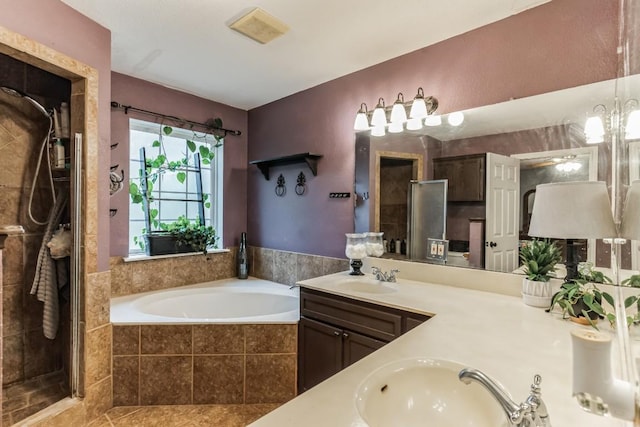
[183, 415]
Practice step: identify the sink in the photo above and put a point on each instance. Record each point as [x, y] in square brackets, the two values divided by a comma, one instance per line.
[365, 285]
[425, 392]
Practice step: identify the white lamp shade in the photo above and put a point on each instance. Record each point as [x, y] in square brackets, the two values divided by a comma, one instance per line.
[396, 127]
[572, 210]
[379, 117]
[414, 124]
[630, 228]
[418, 108]
[455, 119]
[378, 131]
[398, 113]
[632, 127]
[594, 130]
[362, 122]
[432, 120]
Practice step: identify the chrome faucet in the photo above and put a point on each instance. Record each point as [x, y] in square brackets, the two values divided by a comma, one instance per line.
[382, 276]
[530, 413]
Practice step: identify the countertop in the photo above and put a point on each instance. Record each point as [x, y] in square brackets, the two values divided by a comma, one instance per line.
[493, 332]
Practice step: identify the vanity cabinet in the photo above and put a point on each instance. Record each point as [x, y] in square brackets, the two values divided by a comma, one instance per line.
[465, 175]
[335, 332]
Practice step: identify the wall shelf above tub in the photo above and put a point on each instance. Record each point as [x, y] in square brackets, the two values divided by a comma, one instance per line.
[309, 158]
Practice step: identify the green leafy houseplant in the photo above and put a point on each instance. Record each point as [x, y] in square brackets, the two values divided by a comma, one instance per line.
[539, 259]
[160, 164]
[582, 299]
[198, 236]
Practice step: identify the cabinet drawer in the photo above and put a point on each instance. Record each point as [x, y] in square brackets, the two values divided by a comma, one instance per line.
[374, 321]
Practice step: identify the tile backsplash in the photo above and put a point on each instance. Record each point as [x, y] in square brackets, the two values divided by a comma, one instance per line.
[270, 264]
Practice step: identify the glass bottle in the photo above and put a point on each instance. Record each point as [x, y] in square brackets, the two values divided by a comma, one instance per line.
[243, 259]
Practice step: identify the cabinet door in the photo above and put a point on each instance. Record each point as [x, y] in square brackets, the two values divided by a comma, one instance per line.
[471, 179]
[449, 170]
[357, 346]
[319, 352]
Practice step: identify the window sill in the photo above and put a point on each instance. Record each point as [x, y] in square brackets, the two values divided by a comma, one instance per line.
[134, 258]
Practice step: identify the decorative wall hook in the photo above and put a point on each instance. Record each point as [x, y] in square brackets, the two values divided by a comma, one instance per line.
[113, 212]
[280, 187]
[301, 186]
[115, 181]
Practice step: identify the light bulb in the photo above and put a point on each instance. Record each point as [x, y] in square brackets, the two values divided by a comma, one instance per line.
[362, 122]
[594, 130]
[419, 106]
[398, 112]
[414, 124]
[432, 120]
[379, 117]
[377, 131]
[455, 119]
[396, 127]
[632, 128]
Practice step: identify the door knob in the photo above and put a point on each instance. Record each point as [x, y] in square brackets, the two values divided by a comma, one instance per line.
[491, 244]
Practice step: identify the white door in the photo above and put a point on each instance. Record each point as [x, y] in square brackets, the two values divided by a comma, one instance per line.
[502, 213]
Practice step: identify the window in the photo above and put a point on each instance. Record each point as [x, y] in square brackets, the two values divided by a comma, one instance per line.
[179, 186]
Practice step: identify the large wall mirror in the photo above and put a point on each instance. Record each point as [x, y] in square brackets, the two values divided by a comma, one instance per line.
[543, 136]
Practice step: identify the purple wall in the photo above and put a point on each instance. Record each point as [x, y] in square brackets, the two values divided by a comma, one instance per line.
[149, 96]
[561, 44]
[54, 24]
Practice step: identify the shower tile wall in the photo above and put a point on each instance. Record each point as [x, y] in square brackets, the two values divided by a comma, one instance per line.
[26, 353]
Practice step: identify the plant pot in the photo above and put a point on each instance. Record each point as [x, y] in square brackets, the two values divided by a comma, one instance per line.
[579, 318]
[164, 244]
[535, 293]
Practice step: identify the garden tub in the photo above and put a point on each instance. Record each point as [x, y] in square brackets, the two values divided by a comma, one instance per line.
[221, 301]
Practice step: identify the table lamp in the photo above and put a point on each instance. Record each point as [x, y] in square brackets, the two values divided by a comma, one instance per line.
[572, 210]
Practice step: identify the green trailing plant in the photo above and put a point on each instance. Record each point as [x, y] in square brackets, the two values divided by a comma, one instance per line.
[588, 273]
[632, 281]
[580, 298]
[190, 233]
[539, 259]
[160, 164]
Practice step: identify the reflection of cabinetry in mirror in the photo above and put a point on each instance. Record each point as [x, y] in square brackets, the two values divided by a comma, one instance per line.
[465, 175]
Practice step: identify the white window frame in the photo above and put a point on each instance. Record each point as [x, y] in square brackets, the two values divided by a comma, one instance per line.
[215, 183]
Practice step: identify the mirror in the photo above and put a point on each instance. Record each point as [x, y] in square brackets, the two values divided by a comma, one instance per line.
[543, 134]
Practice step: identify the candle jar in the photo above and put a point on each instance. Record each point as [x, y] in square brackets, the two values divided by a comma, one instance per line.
[355, 250]
[374, 244]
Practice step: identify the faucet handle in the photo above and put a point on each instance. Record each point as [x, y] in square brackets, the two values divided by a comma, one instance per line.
[375, 270]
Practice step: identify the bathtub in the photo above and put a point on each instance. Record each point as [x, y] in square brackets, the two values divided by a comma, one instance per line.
[222, 301]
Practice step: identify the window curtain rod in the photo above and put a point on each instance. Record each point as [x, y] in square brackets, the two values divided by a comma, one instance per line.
[209, 125]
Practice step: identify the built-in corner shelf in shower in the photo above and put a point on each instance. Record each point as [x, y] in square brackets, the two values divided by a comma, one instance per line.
[309, 158]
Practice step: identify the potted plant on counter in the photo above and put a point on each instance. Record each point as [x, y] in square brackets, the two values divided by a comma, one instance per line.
[581, 301]
[539, 259]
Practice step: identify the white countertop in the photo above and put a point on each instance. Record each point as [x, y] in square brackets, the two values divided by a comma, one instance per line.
[496, 333]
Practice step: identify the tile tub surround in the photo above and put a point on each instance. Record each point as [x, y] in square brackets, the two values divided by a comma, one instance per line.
[491, 331]
[270, 264]
[203, 364]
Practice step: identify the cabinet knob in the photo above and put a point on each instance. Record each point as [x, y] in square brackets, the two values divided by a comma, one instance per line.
[336, 333]
[345, 335]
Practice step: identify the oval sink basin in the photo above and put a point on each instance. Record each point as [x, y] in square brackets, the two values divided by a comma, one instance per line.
[425, 392]
[365, 285]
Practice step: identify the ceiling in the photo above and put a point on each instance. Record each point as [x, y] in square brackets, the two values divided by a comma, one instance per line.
[187, 45]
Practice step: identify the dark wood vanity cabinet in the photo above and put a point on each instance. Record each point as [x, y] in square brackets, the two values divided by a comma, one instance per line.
[335, 332]
[466, 176]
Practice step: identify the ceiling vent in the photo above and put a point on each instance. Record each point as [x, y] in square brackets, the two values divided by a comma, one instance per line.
[259, 26]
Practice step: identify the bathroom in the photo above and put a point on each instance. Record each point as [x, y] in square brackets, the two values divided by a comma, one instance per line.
[281, 250]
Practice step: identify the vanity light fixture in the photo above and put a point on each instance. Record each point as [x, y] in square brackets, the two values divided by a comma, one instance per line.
[379, 117]
[603, 121]
[397, 114]
[572, 210]
[362, 121]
